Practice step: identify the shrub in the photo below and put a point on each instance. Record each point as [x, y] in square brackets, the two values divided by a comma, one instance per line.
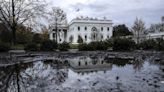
[109, 43]
[73, 46]
[5, 36]
[159, 44]
[17, 47]
[148, 44]
[48, 45]
[102, 45]
[82, 47]
[80, 39]
[37, 38]
[63, 46]
[123, 44]
[152, 44]
[4, 47]
[31, 47]
[93, 46]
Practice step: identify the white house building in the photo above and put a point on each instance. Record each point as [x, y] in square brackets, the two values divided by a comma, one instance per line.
[155, 35]
[60, 35]
[87, 64]
[84, 30]
[157, 32]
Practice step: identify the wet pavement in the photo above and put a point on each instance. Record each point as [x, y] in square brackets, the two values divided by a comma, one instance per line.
[84, 74]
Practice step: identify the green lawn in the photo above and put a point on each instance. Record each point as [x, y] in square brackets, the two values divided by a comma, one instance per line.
[73, 46]
[17, 47]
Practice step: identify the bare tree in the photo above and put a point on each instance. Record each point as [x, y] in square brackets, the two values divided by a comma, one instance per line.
[162, 23]
[44, 33]
[159, 27]
[57, 19]
[156, 28]
[19, 12]
[138, 28]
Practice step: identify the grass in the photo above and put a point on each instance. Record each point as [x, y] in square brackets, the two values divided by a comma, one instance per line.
[73, 46]
[21, 47]
[17, 47]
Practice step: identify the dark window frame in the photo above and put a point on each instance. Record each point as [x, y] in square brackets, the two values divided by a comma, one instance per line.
[85, 28]
[108, 36]
[102, 28]
[108, 28]
[85, 37]
[102, 37]
[54, 35]
[78, 28]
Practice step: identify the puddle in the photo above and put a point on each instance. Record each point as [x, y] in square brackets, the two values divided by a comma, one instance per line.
[84, 74]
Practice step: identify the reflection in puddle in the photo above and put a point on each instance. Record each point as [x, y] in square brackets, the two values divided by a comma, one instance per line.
[83, 74]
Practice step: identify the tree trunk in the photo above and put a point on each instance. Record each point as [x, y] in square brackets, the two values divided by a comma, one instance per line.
[138, 37]
[17, 77]
[56, 31]
[56, 36]
[13, 24]
[13, 35]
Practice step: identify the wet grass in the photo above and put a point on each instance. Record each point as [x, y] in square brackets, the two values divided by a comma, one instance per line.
[73, 46]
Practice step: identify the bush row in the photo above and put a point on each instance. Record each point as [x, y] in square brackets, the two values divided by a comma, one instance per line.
[152, 44]
[47, 45]
[123, 44]
[115, 44]
[4, 47]
[93, 46]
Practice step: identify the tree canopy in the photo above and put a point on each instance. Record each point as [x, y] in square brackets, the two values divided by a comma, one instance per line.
[18, 12]
[138, 28]
[121, 30]
[57, 19]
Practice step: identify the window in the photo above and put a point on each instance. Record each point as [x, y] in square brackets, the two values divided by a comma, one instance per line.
[85, 37]
[102, 62]
[85, 28]
[108, 36]
[54, 35]
[101, 28]
[79, 63]
[85, 63]
[78, 28]
[94, 36]
[101, 36]
[94, 29]
[108, 28]
[71, 38]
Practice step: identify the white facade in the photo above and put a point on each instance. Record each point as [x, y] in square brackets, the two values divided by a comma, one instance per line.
[155, 35]
[157, 31]
[87, 64]
[61, 33]
[87, 30]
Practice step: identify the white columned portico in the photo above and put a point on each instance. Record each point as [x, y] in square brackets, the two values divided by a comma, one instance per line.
[85, 29]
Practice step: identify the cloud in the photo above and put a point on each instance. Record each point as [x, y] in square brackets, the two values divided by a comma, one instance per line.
[120, 11]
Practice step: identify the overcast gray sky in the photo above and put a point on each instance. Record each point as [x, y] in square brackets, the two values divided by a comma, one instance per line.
[120, 11]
